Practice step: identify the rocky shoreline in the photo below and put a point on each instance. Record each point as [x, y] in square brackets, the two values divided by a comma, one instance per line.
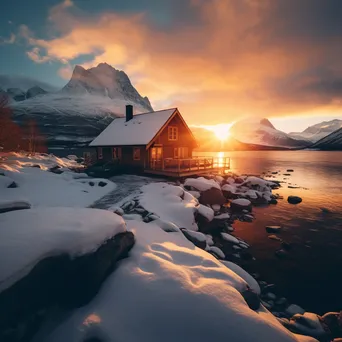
[221, 202]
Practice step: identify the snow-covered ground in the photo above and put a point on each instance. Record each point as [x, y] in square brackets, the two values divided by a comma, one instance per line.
[169, 290]
[43, 188]
[28, 236]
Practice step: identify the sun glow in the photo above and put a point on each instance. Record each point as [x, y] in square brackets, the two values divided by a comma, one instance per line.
[221, 131]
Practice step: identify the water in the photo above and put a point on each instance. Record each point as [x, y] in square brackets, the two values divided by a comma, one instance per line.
[312, 274]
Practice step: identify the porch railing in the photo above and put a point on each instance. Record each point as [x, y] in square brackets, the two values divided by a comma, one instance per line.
[190, 164]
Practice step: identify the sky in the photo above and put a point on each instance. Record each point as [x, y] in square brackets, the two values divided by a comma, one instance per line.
[216, 60]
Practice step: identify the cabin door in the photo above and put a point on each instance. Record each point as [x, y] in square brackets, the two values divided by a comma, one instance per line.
[156, 156]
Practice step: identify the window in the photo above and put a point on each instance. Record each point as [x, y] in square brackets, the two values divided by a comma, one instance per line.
[173, 133]
[136, 153]
[181, 152]
[99, 153]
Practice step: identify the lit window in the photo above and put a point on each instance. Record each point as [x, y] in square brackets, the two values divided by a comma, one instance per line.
[136, 153]
[173, 133]
[99, 153]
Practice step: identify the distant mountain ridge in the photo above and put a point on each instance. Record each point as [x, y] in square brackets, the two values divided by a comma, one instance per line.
[331, 142]
[318, 131]
[261, 132]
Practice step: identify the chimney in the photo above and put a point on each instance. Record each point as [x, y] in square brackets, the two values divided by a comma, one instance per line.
[129, 112]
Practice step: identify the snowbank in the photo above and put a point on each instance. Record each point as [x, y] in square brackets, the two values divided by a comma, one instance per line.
[46, 189]
[28, 236]
[201, 183]
[164, 292]
[171, 203]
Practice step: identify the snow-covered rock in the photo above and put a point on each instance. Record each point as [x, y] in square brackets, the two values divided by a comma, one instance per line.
[217, 251]
[294, 309]
[167, 282]
[201, 184]
[155, 199]
[240, 204]
[6, 206]
[28, 236]
[229, 238]
[206, 212]
[197, 238]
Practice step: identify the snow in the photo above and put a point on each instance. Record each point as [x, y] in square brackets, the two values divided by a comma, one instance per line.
[155, 198]
[201, 183]
[229, 188]
[164, 291]
[223, 216]
[28, 236]
[138, 131]
[312, 325]
[46, 189]
[253, 284]
[5, 182]
[209, 240]
[196, 194]
[230, 238]
[205, 211]
[242, 202]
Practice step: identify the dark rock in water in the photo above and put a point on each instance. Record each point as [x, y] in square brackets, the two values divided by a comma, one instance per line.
[293, 187]
[281, 254]
[286, 174]
[274, 172]
[274, 237]
[102, 184]
[289, 170]
[13, 185]
[294, 199]
[286, 245]
[273, 229]
[212, 196]
[273, 201]
[325, 210]
[251, 298]
[56, 169]
[196, 238]
[58, 281]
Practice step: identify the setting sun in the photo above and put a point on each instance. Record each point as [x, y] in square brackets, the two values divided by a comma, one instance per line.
[221, 131]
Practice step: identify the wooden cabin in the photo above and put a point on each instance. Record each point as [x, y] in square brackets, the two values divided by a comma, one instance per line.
[157, 142]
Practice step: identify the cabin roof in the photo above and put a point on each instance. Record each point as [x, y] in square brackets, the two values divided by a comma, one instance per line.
[138, 131]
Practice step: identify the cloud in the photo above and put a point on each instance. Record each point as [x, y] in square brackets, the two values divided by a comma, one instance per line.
[10, 40]
[229, 59]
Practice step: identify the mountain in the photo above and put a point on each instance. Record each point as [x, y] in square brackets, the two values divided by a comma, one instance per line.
[261, 132]
[78, 112]
[331, 142]
[318, 131]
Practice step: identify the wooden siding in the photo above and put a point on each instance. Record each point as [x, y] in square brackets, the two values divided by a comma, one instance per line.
[184, 139]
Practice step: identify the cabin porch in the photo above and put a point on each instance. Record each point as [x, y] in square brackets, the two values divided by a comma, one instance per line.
[188, 166]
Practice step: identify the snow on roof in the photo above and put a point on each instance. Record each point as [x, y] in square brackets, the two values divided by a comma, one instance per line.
[138, 131]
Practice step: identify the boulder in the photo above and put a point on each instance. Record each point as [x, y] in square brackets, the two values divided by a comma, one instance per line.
[273, 229]
[240, 204]
[294, 199]
[294, 309]
[197, 238]
[252, 299]
[13, 185]
[57, 281]
[212, 196]
[333, 320]
[102, 184]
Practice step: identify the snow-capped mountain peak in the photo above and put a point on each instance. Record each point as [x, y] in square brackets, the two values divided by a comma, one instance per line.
[318, 131]
[260, 131]
[104, 80]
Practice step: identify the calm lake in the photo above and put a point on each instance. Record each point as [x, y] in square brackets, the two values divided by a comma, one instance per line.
[311, 275]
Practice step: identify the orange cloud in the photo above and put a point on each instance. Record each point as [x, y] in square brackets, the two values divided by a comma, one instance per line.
[222, 67]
